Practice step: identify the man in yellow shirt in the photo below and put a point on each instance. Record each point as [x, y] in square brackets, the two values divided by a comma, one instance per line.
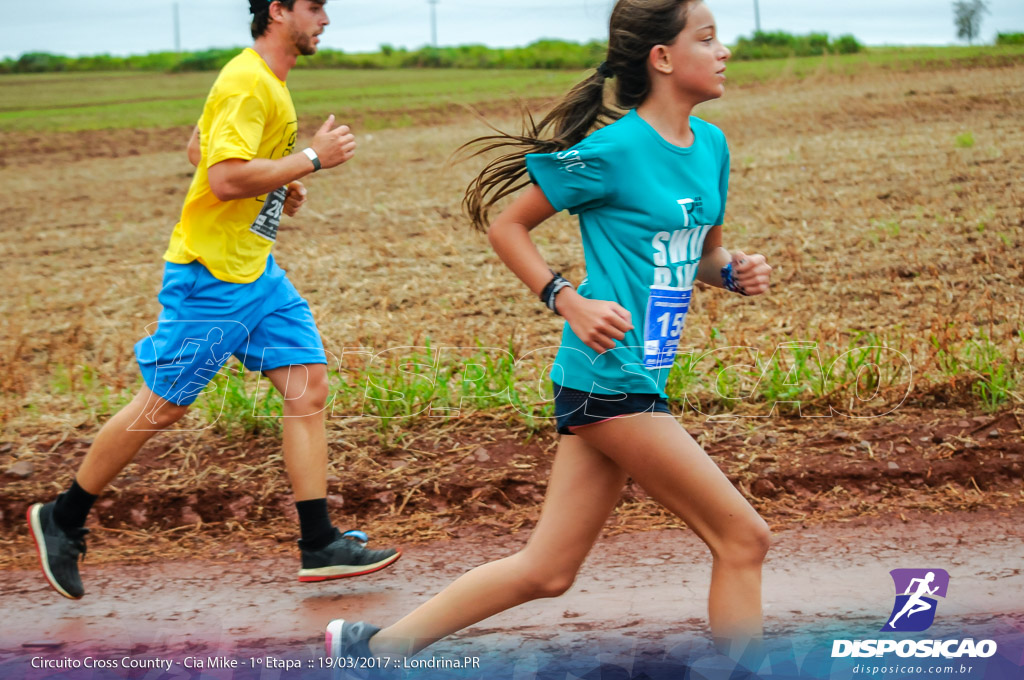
[223, 294]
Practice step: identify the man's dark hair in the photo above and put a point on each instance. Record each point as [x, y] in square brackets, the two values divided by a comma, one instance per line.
[261, 14]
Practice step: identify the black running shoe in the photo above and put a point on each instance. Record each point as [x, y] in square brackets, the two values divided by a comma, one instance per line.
[59, 551]
[349, 640]
[342, 558]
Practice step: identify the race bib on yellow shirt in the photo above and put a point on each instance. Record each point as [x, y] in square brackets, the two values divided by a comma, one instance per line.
[267, 222]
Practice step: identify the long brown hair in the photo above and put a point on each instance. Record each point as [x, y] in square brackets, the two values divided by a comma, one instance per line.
[636, 26]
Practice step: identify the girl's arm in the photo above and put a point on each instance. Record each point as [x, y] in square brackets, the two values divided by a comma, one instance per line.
[598, 323]
[751, 272]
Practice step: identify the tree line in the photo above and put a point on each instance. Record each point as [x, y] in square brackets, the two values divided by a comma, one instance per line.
[542, 54]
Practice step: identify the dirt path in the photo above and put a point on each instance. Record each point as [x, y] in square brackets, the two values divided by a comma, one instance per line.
[643, 594]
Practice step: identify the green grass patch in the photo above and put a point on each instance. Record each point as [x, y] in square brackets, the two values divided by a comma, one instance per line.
[390, 388]
[996, 380]
[83, 384]
[74, 101]
[865, 378]
[868, 376]
[965, 140]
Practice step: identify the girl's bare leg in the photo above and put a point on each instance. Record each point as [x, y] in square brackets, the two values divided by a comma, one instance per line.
[584, 487]
[662, 457]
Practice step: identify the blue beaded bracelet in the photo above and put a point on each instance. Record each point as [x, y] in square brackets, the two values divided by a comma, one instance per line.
[729, 281]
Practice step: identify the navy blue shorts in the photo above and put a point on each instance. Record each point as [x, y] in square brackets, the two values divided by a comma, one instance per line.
[574, 408]
[266, 324]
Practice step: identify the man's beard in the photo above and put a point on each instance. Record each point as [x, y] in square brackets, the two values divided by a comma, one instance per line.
[303, 43]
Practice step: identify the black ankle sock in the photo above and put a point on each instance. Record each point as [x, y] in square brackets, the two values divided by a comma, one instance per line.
[72, 507]
[314, 523]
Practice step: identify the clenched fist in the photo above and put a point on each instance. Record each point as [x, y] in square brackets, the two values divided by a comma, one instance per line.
[751, 272]
[295, 198]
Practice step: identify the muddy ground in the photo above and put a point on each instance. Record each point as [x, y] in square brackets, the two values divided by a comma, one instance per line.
[473, 477]
[642, 594]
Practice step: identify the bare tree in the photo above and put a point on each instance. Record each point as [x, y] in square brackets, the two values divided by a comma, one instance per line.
[967, 18]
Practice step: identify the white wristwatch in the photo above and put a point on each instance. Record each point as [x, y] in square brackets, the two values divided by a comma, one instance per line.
[311, 155]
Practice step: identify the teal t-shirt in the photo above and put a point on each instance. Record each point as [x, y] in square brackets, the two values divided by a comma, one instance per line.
[645, 207]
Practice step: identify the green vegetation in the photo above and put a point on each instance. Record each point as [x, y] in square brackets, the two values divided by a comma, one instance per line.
[71, 100]
[94, 396]
[965, 140]
[995, 380]
[869, 376]
[543, 54]
[86, 101]
[967, 16]
[779, 44]
[44, 62]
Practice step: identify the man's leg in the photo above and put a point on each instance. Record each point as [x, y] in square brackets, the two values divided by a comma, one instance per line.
[57, 527]
[304, 391]
[123, 435]
[325, 554]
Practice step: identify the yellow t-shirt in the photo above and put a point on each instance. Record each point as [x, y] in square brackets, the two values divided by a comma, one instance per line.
[248, 114]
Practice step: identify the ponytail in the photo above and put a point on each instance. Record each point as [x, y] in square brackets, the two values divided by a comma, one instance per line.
[636, 26]
[573, 118]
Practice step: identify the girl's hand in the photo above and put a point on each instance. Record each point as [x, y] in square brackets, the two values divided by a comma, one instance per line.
[751, 272]
[598, 323]
[294, 199]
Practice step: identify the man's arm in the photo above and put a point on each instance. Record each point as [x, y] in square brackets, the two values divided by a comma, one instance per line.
[235, 178]
[194, 153]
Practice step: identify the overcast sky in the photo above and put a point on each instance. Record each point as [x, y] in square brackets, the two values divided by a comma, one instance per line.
[124, 27]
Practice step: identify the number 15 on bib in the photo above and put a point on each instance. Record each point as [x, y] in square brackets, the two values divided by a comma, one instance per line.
[666, 316]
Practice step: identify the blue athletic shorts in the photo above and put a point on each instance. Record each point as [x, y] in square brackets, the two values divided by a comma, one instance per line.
[266, 324]
[574, 408]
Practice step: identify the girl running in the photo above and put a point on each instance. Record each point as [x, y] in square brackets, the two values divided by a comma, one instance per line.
[649, 190]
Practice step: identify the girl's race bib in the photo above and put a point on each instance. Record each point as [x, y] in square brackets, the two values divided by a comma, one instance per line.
[666, 315]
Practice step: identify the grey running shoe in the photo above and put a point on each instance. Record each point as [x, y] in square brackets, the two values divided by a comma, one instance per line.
[342, 558]
[59, 551]
[349, 640]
